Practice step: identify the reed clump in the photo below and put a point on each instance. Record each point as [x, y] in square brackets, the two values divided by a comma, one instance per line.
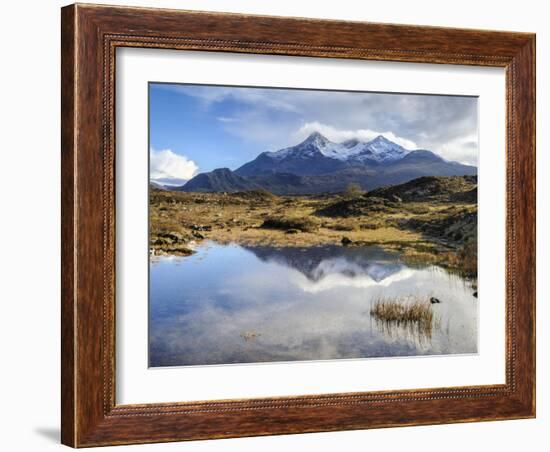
[404, 311]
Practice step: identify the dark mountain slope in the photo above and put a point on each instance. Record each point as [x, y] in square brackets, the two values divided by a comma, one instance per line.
[428, 188]
[318, 165]
[222, 179]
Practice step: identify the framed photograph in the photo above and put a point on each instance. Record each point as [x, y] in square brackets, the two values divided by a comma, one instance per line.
[281, 225]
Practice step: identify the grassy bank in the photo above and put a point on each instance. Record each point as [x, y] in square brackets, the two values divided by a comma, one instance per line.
[439, 230]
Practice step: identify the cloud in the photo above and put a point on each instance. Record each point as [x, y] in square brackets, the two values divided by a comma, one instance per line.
[209, 95]
[227, 119]
[272, 119]
[339, 135]
[461, 149]
[168, 168]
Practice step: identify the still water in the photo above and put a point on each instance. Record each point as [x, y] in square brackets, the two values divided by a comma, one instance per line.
[234, 304]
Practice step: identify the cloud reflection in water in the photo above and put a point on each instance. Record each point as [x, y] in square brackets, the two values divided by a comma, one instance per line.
[231, 304]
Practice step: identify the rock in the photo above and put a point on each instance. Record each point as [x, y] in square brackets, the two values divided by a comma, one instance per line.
[198, 235]
[292, 231]
[346, 241]
[171, 237]
[395, 198]
[434, 300]
[197, 227]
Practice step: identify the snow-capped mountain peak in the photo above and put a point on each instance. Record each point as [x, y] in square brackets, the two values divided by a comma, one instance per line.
[313, 144]
[318, 165]
[380, 149]
[316, 139]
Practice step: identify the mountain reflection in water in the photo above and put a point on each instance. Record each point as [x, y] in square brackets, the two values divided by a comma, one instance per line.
[233, 304]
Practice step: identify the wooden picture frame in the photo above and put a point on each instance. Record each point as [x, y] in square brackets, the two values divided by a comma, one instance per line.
[90, 36]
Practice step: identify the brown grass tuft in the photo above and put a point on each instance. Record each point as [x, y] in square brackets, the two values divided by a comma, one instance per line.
[304, 224]
[409, 313]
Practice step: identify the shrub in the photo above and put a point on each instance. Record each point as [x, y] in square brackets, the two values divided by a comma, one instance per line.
[468, 257]
[305, 224]
[353, 190]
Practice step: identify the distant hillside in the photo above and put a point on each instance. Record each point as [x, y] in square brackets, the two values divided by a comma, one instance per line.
[157, 186]
[318, 165]
[222, 179]
[427, 188]
[424, 189]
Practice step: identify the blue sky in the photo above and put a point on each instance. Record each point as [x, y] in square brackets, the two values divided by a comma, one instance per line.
[197, 128]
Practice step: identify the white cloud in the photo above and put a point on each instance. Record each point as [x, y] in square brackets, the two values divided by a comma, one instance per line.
[339, 135]
[227, 119]
[267, 98]
[268, 119]
[461, 149]
[168, 168]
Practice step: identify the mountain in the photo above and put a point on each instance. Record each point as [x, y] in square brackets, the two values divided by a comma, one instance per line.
[158, 186]
[379, 150]
[318, 165]
[317, 155]
[222, 179]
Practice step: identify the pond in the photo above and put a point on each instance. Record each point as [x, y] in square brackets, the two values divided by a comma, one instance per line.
[229, 304]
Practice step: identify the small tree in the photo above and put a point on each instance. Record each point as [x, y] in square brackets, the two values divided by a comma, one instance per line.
[353, 190]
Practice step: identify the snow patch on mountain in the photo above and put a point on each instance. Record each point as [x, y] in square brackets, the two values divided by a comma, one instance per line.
[380, 150]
